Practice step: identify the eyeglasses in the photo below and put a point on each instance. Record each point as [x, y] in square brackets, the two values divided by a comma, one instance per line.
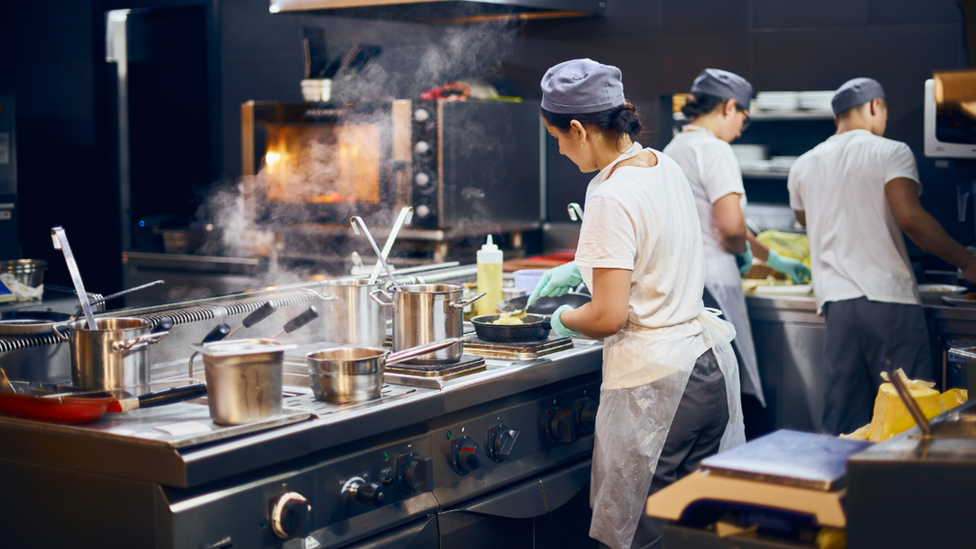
[746, 121]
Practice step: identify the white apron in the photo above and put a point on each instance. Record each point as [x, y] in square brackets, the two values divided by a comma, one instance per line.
[723, 281]
[645, 372]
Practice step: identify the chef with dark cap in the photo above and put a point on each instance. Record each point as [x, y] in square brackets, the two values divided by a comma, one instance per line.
[670, 391]
[856, 193]
[717, 110]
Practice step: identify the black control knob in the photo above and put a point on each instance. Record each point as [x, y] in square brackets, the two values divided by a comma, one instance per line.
[502, 443]
[370, 494]
[561, 425]
[467, 456]
[415, 473]
[291, 516]
[586, 414]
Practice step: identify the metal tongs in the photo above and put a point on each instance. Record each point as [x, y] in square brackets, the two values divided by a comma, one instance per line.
[406, 214]
[61, 243]
[356, 220]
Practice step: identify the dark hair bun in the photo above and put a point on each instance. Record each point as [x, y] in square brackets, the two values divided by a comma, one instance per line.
[699, 104]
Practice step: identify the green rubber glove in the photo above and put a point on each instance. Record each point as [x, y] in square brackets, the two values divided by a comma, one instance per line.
[796, 270]
[557, 281]
[558, 326]
[744, 260]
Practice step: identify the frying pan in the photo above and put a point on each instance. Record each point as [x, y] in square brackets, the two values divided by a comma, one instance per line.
[533, 328]
[31, 402]
[544, 305]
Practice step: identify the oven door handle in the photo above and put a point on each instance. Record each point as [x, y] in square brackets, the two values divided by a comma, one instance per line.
[374, 295]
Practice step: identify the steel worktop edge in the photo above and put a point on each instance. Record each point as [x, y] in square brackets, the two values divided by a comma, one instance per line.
[43, 444]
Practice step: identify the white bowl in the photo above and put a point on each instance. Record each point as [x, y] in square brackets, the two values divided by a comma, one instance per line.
[931, 294]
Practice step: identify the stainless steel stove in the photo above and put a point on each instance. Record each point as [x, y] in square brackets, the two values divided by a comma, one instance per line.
[324, 476]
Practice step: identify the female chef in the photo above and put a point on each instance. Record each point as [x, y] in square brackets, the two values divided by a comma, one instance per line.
[670, 394]
[718, 110]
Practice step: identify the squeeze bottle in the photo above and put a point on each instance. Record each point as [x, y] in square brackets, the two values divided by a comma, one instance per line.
[489, 278]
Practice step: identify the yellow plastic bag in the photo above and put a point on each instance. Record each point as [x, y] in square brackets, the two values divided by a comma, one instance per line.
[793, 246]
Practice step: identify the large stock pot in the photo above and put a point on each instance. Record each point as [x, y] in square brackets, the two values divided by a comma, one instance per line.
[425, 313]
[115, 355]
[356, 319]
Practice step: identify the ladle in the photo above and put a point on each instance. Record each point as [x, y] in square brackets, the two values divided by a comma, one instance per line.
[406, 214]
[356, 220]
[61, 243]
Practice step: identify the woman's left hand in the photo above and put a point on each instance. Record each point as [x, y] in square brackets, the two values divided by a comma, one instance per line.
[557, 325]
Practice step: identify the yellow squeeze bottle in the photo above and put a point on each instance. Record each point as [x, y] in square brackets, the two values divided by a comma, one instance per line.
[489, 278]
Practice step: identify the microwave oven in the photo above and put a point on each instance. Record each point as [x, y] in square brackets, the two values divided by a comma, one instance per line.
[949, 131]
[454, 162]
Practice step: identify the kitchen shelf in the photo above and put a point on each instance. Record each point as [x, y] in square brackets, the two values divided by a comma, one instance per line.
[774, 115]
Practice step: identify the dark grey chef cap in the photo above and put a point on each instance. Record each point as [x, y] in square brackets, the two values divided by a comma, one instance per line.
[725, 85]
[581, 86]
[855, 92]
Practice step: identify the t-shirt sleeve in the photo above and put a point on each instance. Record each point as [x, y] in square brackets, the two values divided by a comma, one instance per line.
[901, 163]
[608, 237]
[720, 172]
[793, 186]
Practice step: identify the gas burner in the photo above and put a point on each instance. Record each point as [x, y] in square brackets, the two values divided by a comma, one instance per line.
[432, 375]
[518, 349]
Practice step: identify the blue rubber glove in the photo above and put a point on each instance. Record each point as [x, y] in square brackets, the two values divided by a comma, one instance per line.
[557, 325]
[796, 270]
[557, 281]
[744, 260]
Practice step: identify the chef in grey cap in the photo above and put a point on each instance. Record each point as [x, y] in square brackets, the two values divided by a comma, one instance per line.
[856, 193]
[670, 392]
[718, 110]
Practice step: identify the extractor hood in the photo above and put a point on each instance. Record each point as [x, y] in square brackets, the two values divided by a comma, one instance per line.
[448, 11]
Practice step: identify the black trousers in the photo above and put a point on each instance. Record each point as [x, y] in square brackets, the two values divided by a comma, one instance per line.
[860, 336]
[695, 434]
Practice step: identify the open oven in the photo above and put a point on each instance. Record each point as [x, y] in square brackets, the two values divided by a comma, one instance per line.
[455, 162]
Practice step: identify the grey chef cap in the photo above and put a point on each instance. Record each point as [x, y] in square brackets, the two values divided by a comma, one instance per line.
[855, 92]
[581, 86]
[724, 84]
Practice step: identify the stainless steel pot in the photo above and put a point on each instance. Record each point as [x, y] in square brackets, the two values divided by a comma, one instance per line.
[356, 319]
[244, 379]
[115, 355]
[425, 313]
[355, 374]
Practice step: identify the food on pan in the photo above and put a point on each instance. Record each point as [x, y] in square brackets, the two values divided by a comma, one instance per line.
[510, 319]
[760, 271]
[971, 296]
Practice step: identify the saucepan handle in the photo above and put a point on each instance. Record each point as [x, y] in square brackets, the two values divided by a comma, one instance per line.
[457, 305]
[57, 331]
[374, 295]
[129, 344]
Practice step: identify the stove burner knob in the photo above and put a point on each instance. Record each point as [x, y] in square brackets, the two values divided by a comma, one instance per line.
[421, 115]
[467, 456]
[422, 147]
[291, 516]
[369, 494]
[421, 211]
[502, 442]
[586, 414]
[561, 425]
[416, 473]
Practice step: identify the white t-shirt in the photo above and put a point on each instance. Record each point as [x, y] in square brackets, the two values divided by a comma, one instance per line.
[713, 172]
[856, 246]
[644, 220]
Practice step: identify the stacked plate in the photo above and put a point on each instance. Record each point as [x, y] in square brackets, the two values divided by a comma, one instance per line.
[815, 100]
[778, 101]
[751, 157]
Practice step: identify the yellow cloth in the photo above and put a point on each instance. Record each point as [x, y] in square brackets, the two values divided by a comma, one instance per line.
[793, 246]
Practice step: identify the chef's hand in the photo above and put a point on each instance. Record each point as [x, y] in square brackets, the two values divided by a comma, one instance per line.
[744, 260]
[557, 281]
[797, 271]
[557, 325]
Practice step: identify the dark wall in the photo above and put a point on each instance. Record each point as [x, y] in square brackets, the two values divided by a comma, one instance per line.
[52, 60]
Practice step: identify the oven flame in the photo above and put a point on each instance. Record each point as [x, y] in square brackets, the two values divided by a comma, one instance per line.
[271, 159]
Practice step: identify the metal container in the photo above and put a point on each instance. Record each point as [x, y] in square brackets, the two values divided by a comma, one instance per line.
[356, 319]
[115, 355]
[244, 379]
[29, 272]
[355, 374]
[425, 313]
[347, 374]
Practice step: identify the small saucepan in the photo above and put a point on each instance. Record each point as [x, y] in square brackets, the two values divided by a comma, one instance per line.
[532, 328]
[343, 375]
